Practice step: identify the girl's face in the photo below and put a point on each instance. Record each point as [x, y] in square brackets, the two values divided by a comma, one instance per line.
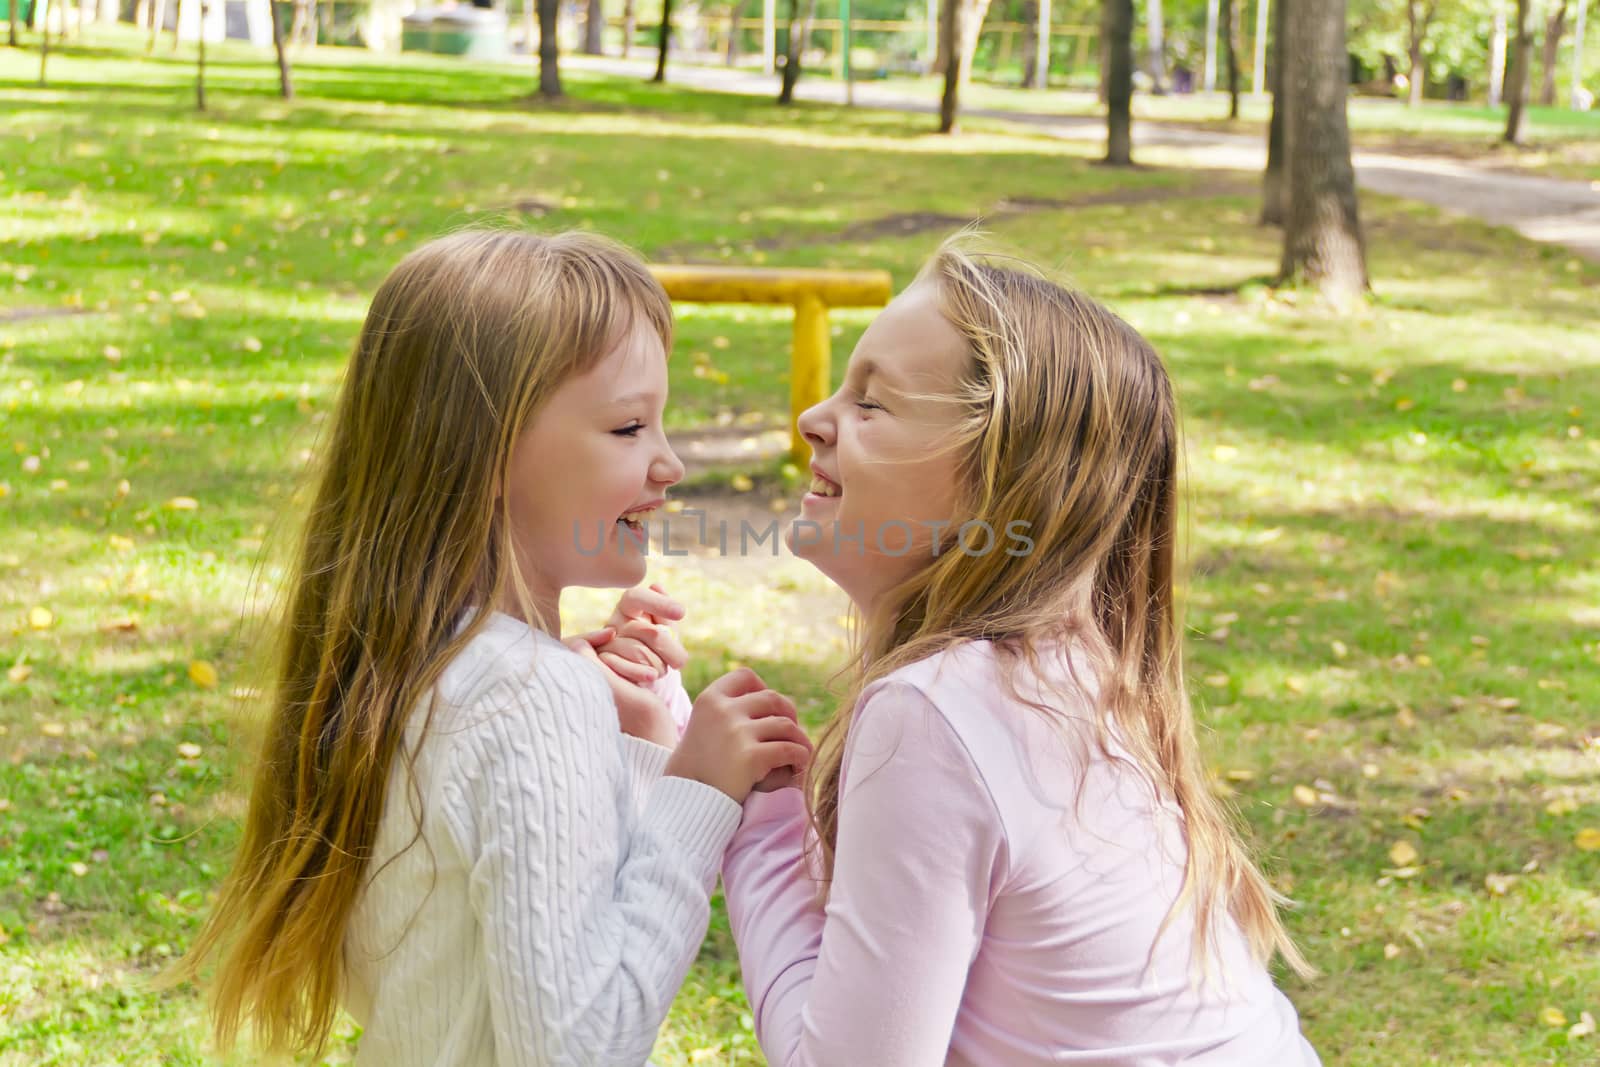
[589, 471]
[883, 484]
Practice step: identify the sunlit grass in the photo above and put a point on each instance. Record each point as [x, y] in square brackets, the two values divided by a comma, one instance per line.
[1392, 522]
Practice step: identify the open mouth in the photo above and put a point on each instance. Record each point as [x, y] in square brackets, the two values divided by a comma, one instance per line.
[637, 520]
[820, 486]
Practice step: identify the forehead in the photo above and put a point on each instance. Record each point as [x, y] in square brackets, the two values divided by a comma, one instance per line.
[911, 345]
[635, 360]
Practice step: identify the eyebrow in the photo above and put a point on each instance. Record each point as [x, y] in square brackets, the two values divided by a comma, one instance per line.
[869, 369]
[632, 398]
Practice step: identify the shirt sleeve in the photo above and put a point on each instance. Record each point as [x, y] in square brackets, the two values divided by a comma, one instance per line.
[669, 687]
[878, 976]
[589, 918]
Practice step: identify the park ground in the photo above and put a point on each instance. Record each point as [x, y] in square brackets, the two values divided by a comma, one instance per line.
[1393, 525]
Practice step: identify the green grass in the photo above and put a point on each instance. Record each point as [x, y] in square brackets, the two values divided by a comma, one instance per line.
[1392, 524]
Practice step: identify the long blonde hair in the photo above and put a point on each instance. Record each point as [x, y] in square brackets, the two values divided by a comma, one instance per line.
[408, 534]
[1067, 421]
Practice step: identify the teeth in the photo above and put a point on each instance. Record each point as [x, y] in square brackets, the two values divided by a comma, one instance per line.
[638, 518]
[822, 487]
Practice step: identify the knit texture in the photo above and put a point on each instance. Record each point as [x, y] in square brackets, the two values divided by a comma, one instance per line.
[538, 890]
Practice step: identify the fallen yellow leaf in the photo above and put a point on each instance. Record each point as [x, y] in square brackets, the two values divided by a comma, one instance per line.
[1390, 951]
[1552, 1016]
[741, 483]
[189, 750]
[40, 618]
[182, 503]
[203, 674]
[53, 729]
[19, 673]
[1588, 839]
[1402, 854]
[1305, 796]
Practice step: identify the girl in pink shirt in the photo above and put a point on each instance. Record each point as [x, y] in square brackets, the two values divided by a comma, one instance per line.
[1010, 854]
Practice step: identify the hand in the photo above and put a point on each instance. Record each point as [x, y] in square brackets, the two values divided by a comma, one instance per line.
[645, 638]
[640, 713]
[741, 733]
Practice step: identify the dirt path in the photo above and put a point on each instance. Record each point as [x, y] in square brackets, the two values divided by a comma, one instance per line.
[1549, 210]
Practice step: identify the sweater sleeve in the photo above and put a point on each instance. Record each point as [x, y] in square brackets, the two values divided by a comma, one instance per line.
[878, 976]
[589, 920]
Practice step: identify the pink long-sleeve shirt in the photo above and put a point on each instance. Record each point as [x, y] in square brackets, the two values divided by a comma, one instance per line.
[998, 887]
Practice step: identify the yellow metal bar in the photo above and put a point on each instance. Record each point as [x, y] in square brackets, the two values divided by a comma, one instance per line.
[810, 292]
[808, 369]
[756, 285]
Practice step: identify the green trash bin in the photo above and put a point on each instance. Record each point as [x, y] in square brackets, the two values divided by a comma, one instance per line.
[475, 32]
[416, 30]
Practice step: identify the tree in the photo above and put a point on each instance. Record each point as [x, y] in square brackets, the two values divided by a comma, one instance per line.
[666, 39]
[549, 49]
[44, 40]
[735, 14]
[1155, 38]
[1322, 241]
[1419, 16]
[158, 15]
[594, 25]
[1230, 53]
[1517, 79]
[1274, 205]
[200, 61]
[1030, 45]
[630, 25]
[285, 79]
[12, 19]
[959, 24]
[1117, 31]
[1555, 26]
[799, 35]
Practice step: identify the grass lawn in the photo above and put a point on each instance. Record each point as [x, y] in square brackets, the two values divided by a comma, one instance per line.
[1394, 517]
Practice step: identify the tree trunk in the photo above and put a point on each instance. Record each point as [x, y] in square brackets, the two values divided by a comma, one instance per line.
[44, 41]
[200, 61]
[799, 35]
[1497, 54]
[1418, 19]
[285, 76]
[158, 15]
[177, 23]
[297, 24]
[1155, 35]
[663, 41]
[1030, 42]
[549, 49]
[1517, 78]
[1230, 53]
[731, 56]
[1274, 204]
[630, 26]
[1555, 26]
[1322, 241]
[594, 25]
[950, 27]
[1118, 26]
[12, 19]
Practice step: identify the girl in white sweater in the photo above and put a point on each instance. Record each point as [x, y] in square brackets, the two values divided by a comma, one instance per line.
[448, 835]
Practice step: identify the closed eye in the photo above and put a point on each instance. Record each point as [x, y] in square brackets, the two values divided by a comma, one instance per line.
[868, 405]
[631, 430]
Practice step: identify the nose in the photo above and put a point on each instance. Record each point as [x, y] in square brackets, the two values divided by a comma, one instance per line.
[816, 425]
[666, 469]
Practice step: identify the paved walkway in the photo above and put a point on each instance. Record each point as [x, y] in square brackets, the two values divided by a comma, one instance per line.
[1550, 210]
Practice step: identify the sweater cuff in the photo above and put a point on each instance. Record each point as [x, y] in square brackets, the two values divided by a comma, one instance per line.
[645, 760]
[699, 818]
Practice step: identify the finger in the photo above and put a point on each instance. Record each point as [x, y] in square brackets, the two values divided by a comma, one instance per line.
[766, 703]
[775, 728]
[637, 673]
[738, 682]
[632, 648]
[641, 601]
[781, 755]
[659, 639]
[594, 638]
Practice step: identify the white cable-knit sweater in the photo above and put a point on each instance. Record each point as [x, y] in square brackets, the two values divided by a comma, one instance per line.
[549, 904]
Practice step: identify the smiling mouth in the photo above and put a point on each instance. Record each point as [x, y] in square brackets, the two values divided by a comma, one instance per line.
[820, 486]
[637, 519]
